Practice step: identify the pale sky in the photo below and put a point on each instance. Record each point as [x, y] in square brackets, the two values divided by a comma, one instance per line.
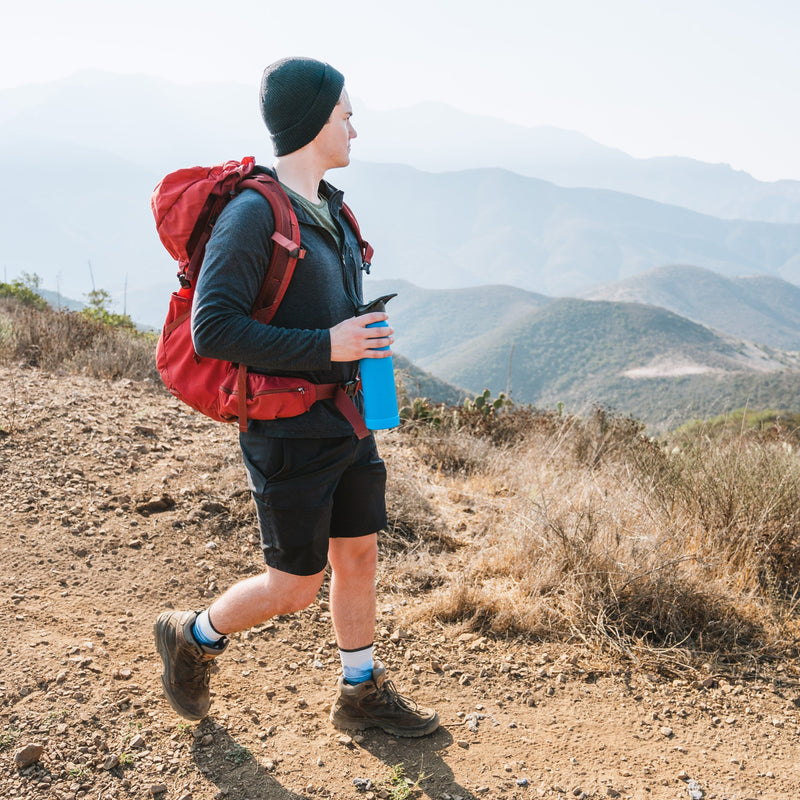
[716, 80]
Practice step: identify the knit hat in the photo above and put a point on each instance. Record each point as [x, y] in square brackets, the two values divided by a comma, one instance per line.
[297, 98]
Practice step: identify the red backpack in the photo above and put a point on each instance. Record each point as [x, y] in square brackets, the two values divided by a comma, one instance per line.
[186, 204]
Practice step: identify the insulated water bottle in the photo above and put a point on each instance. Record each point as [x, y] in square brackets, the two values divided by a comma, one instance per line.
[377, 378]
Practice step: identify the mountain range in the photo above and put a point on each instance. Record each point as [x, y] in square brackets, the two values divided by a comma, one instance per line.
[525, 258]
[636, 357]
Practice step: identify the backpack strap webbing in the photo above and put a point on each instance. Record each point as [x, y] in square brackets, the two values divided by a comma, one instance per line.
[367, 251]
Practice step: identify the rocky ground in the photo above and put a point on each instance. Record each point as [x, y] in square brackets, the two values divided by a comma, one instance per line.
[118, 503]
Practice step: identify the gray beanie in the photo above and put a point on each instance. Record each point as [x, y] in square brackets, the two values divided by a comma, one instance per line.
[297, 98]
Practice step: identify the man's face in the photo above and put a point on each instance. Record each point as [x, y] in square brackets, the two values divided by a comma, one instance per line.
[333, 141]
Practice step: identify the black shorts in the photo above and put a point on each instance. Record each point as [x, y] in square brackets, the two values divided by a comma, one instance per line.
[309, 490]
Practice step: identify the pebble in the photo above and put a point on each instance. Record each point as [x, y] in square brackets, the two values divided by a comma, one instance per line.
[695, 792]
[28, 755]
[138, 742]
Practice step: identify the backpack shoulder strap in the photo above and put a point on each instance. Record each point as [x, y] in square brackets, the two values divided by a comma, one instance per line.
[367, 251]
[287, 251]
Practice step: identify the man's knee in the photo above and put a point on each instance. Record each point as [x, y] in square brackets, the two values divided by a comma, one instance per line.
[296, 592]
[358, 555]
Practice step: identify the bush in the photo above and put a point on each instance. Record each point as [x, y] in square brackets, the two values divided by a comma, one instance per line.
[73, 341]
[671, 552]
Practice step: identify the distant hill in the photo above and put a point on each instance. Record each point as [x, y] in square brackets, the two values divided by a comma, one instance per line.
[567, 158]
[419, 383]
[82, 190]
[443, 320]
[637, 358]
[761, 308]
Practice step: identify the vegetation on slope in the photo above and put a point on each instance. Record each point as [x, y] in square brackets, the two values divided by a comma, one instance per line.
[520, 522]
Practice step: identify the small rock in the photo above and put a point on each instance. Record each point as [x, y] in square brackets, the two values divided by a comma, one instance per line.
[28, 755]
[156, 506]
[695, 792]
[362, 784]
[346, 740]
[110, 762]
[138, 742]
[667, 732]
[157, 788]
[522, 781]
[463, 743]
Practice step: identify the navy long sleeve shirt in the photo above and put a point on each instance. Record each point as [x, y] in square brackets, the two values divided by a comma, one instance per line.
[325, 290]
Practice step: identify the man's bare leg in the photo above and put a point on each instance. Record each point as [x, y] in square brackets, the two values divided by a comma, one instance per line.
[353, 568]
[255, 600]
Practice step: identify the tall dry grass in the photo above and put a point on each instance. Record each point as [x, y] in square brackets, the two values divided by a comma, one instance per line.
[532, 523]
[72, 342]
[667, 552]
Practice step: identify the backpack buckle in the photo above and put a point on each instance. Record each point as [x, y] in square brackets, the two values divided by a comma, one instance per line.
[351, 387]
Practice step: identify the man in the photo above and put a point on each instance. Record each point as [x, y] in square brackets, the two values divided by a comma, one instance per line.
[318, 489]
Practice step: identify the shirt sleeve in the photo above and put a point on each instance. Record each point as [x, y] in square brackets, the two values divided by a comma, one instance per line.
[235, 264]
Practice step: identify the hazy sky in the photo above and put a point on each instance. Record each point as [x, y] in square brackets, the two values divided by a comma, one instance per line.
[717, 80]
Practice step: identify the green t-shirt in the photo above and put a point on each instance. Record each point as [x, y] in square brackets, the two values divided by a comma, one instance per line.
[319, 213]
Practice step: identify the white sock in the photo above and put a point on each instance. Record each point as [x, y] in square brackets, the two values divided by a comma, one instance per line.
[357, 665]
[204, 631]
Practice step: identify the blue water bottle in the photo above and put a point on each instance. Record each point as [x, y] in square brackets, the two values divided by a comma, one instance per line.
[377, 378]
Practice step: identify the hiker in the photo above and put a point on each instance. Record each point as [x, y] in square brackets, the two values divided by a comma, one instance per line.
[319, 490]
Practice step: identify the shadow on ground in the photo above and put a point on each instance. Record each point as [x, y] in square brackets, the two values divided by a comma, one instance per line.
[233, 768]
[422, 762]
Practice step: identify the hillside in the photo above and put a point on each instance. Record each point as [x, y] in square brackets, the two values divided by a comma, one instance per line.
[132, 504]
[760, 309]
[636, 358]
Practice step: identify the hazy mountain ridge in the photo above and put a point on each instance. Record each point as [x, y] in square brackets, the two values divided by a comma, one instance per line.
[493, 226]
[762, 309]
[84, 154]
[570, 159]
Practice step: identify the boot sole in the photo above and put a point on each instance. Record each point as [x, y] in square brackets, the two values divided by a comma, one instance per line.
[406, 733]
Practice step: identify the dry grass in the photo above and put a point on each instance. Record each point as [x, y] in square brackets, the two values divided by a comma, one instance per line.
[70, 341]
[666, 554]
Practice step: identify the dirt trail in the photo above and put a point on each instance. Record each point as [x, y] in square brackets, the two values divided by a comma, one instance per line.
[117, 503]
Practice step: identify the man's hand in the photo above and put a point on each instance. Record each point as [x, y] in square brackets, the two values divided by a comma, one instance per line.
[352, 340]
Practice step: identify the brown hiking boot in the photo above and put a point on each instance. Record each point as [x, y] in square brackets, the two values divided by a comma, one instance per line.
[377, 704]
[187, 663]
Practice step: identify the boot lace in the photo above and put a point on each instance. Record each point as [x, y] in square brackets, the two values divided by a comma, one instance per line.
[195, 668]
[389, 694]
